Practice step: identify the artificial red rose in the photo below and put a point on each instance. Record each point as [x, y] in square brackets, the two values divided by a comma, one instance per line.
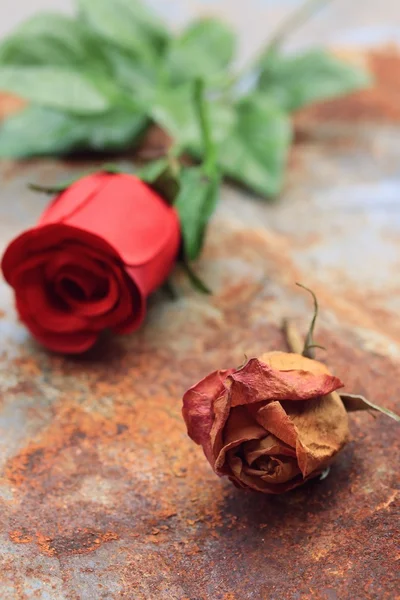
[98, 251]
[270, 425]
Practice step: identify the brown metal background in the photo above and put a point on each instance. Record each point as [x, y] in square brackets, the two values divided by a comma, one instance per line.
[103, 496]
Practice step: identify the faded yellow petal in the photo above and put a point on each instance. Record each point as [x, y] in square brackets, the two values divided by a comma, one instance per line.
[322, 428]
[275, 420]
[244, 477]
[240, 427]
[288, 361]
[268, 446]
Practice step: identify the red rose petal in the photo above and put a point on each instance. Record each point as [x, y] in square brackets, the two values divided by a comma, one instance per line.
[50, 237]
[135, 317]
[77, 286]
[34, 300]
[70, 201]
[79, 256]
[66, 343]
[147, 219]
[34, 263]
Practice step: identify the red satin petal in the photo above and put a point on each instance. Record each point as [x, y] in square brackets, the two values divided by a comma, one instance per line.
[50, 237]
[72, 200]
[135, 318]
[35, 301]
[76, 256]
[124, 199]
[66, 343]
[88, 306]
[32, 263]
[78, 286]
[148, 240]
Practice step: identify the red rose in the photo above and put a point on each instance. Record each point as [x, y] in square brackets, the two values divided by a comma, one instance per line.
[270, 425]
[98, 251]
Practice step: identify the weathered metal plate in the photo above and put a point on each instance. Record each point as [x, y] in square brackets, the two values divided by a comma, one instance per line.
[103, 496]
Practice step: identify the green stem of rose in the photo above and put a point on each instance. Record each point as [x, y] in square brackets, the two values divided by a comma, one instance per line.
[295, 20]
[293, 338]
[309, 345]
[210, 151]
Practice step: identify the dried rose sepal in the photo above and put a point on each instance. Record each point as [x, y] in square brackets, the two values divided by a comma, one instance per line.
[355, 402]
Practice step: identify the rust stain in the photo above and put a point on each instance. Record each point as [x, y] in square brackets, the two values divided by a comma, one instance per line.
[385, 505]
[27, 365]
[82, 541]
[20, 536]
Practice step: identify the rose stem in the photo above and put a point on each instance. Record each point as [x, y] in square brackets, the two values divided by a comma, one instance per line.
[287, 27]
[293, 338]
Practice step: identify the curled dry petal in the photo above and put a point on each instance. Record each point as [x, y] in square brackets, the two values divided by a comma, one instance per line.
[198, 408]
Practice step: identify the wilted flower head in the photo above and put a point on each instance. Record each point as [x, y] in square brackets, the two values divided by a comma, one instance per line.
[270, 425]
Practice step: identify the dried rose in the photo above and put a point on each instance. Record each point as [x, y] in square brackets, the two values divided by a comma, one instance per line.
[270, 425]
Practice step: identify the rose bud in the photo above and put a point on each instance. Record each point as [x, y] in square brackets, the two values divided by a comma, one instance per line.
[270, 425]
[98, 251]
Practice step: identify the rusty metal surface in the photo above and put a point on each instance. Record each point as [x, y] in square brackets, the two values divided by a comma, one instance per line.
[103, 496]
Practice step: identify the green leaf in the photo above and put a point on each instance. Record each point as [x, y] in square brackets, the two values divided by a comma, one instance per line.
[170, 290]
[137, 77]
[196, 202]
[46, 38]
[254, 153]
[204, 50]
[173, 110]
[37, 131]
[57, 188]
[127, 23]
[55, 87]
[163, 176]
[153, 170]
[116, 130]
[194, 279]
[313, 76]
